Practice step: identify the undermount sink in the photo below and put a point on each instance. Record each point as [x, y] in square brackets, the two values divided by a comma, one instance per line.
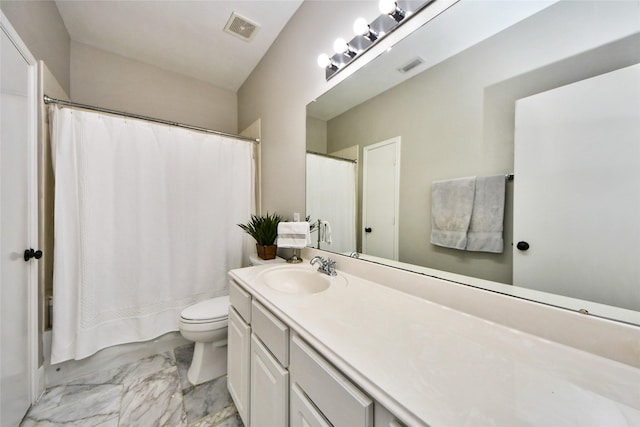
[301, 281]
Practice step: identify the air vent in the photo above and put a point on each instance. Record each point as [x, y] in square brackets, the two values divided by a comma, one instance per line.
[241, 27]
[411, 65]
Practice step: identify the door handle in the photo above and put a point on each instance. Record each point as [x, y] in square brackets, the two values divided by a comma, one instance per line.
[367, 230]
[523, 246]
[30, 253]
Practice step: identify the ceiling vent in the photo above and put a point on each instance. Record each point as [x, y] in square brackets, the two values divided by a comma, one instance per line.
[411, 65]
[241, 27]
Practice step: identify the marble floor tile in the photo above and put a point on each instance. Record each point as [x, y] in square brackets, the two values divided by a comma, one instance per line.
[153, 391]
[207, 398]
[228, 417]
[155, 400]
[183, 356]
[234, 421]
[77, 405]
[131, 371]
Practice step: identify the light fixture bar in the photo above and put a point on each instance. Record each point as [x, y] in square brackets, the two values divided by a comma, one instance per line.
[393, 14]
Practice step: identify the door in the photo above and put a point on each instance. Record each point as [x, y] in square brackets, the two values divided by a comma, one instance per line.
[303, 412]
[269, 388]
[577, 167]
[18, 225]
[239, 363]
[381, 198]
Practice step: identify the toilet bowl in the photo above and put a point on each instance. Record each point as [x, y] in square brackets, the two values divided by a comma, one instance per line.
[205, 323]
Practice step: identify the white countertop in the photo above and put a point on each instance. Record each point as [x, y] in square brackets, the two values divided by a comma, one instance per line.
[433, 365]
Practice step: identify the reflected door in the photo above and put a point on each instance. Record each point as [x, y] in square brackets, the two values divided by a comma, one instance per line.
[380, 198]
[14, 226]
[577, 168]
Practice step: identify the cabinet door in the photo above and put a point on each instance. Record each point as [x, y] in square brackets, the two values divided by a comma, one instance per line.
[339, 400]
[239, 363]
[303, 413]
[269, 388]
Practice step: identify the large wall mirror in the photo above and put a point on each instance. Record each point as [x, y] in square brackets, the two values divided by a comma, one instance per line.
[453, 100]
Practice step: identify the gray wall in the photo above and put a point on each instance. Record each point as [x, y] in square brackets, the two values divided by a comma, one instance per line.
[280, 87]
[457, 118]
[316, 135]
[41, 28]
[93, 76]
[112, 81]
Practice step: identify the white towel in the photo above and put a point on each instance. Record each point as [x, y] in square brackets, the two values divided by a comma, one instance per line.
[451, 207]
[325, 232]
[293, 234]
[485, 228]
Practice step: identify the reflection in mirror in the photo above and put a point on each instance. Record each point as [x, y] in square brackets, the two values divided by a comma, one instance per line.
[495, 82]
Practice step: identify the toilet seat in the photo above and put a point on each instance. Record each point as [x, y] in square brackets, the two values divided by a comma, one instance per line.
[207, 311]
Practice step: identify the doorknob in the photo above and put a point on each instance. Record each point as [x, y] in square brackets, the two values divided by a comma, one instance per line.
[523, 246]
[30, 253]
[367, 230]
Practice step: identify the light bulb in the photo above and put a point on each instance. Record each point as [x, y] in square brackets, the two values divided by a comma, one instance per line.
[387, 6]
[323, 60]
[361, 27]
[340, 45]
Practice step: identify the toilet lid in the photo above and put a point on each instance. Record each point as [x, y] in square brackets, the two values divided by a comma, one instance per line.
[210, 309]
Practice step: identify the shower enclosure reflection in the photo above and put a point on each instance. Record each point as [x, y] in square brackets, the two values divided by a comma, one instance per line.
[331, 181]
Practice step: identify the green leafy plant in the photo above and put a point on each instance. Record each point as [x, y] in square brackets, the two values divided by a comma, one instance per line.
[263, 228]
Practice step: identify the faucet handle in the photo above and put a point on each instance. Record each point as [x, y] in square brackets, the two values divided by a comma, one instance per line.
[331, 267]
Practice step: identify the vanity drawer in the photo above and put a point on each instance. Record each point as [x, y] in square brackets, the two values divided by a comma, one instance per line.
[240, 300]
[273, 333]
[342, 403]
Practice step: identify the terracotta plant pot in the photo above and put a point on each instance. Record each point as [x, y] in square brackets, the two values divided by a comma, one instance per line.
[266, 252]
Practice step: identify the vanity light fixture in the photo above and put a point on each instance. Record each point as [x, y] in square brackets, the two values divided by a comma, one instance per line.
[393, 14]
[362, 28]
[340, 46]
[390, 7]
[325, 62]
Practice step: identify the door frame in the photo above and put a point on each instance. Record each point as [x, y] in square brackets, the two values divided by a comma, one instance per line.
[396, 211]
[35, 376]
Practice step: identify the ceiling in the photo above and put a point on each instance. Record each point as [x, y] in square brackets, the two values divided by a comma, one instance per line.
[458, 28]
[183, 36]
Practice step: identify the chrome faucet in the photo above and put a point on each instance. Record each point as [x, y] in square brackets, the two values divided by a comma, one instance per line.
[327, 266]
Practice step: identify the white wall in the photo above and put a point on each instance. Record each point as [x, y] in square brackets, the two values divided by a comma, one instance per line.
[111, 81]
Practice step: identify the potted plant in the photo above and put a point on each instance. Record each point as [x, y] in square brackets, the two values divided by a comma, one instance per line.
[264, 229]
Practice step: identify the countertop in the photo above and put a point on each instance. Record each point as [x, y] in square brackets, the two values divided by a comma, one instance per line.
[432, 365]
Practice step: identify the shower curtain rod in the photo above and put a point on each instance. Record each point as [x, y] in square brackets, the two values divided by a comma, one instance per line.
[49, 100]
[332, 157]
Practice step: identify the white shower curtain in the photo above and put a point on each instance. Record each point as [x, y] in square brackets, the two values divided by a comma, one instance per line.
[145, 224]
[331, 196]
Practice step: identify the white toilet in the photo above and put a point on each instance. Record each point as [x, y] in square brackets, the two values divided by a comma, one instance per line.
[205, 323]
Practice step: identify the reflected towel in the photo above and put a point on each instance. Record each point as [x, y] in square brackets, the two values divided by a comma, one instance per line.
[451, 207]
[325, 232]
[293, 234]
[485, 228]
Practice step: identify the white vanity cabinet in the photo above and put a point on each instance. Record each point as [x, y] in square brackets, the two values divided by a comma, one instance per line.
[337, 401]
[277, 379]
[303, 411]
[239, 350]
[258, 346]
[269, 376]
